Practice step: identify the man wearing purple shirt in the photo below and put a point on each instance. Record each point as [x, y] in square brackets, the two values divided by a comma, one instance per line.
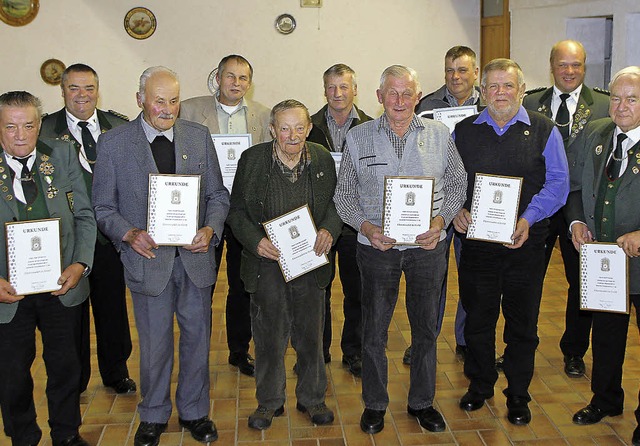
[507, 140]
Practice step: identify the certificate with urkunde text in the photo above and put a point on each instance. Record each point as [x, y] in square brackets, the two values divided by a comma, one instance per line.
[494, 208]
[294, 235]
[172, 217]
[604, 278]
[34, 256]
[229, 148]
[450, 116]
[408, 204]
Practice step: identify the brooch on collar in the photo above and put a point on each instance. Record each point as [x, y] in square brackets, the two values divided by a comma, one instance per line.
[579, 120]
[543, 109]
[47, 169]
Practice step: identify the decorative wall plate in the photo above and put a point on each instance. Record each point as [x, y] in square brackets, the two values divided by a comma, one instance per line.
[285, 23]
[212, 83]
[18, 12]
[51, 71]
[140, 23]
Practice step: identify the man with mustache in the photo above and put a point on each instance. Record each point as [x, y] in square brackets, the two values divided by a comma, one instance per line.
[229, 111]
[330, 126]
[166, 282]
[81, 122]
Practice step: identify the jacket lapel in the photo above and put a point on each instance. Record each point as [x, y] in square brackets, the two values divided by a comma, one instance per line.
[6, 187]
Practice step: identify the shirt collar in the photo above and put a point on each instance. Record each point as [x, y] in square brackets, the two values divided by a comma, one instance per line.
[151, 132]
[353, 114]
[416, 122]
[485, 117]
[453, 102]
[575, 94]
[220, 107]
[17, 165]
[633, 135]
[72, 121]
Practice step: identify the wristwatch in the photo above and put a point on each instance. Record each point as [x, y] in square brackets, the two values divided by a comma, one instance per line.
[87, 269]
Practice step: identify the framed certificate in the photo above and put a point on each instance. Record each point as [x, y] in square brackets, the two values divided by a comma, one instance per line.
[229, 148]
[34, 256]
[450, 116]
[294, 234]
[494, 208]
[172, 217]
[604, 278]
[408, 204]
[337, 158]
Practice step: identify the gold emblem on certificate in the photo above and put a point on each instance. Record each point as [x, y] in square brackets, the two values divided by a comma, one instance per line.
[172, 217]
[604, 278]
[494, 208]
[34, 260]
[294, 234]
[408, 204]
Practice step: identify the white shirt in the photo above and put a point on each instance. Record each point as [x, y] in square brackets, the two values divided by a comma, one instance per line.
[76, 131]
[572, 103]
[16, 166]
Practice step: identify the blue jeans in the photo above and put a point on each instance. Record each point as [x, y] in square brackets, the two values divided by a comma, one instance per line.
[380, 273]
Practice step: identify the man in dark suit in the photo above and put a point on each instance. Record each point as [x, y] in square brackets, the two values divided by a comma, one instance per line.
[229, 111]
[41, 180]
[603, 207]
[572, 105]
[81, 123]
[330, 126]
[164, 280]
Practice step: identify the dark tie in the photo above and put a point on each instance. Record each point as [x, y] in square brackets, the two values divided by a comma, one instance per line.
[562, 117]
[88, 142]
[615, 162]
[163, 154]
[26, 180]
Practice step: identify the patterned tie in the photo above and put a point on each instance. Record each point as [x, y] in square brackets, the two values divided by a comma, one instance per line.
[88, 142]
[562, 117]
[26, 180]
[615, 162]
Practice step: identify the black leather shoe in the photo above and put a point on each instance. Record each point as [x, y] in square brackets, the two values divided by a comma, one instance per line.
[372, 421]
[429, 418]
[148, 434]
[406, 359]
[591, 415]
[125, 385]
[461, 351]
[243, 361]
[635, 440]
[471, 401]
[500, 363]
[75, 440]
[202, 429]
[574, 366]
[354, 364]
[518, 411]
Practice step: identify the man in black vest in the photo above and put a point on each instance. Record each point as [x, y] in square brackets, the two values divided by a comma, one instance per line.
[330, 126]
[81, 123]
[603, 207]
[572, 105]
[506, 140]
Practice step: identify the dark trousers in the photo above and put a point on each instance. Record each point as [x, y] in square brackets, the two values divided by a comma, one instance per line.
[575, 340]
[281, 311]
[351, 342]
[491, 276]
[238, 300]
[609, 343]
[109, 305]
[381, 273]
[461, 316]
[59, 328]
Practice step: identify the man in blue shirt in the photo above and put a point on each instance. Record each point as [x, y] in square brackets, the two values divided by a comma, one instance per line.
[507, 140]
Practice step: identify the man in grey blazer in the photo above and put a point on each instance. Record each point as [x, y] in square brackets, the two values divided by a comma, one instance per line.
[603, 207]
[164, 280]
[40, 180]
[572, 105]
[229, 111]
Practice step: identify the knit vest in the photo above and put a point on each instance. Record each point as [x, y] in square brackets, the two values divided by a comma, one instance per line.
[517, 153]
[373, 157]
[285, 196]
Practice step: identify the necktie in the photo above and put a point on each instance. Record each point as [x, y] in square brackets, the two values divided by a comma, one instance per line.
[562, 117]
[615, 162]
[88, 142]
[26, 180]
[163, 154]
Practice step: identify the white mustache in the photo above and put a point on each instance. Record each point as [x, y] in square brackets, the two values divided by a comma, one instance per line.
[166, 116]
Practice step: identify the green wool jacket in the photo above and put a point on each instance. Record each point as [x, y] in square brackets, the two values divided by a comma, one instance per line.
[248, 198]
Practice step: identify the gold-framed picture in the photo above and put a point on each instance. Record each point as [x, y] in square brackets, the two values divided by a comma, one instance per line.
[51, 71]
[140, 23]
[18, 12]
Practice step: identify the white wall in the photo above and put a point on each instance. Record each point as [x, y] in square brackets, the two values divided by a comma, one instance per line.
[191, 38]
[537, 24]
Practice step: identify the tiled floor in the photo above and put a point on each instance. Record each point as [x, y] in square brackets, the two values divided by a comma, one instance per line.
[110, 419]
